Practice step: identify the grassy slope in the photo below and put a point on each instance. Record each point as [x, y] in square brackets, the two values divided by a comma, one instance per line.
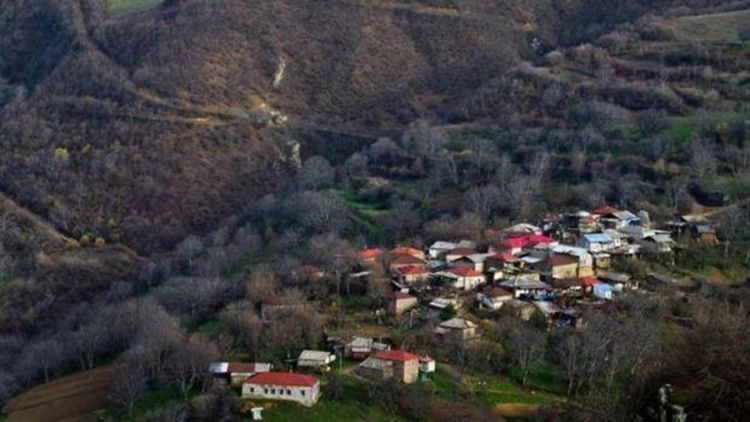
[122, 7]
[719, 27]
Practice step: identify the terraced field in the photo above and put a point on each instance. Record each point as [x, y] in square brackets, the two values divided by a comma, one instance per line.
[74, 397]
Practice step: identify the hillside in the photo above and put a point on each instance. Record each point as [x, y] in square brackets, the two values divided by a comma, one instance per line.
[143, 127]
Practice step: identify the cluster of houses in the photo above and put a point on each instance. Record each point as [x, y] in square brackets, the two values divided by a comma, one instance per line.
[566, 257]
[551, 269]
[259, 381]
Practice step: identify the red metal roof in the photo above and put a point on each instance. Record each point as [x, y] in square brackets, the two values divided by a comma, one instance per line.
[283, 378]
[524, 241]
[465, 272]
[396, 355]
[604, 210]
[371, 253]
[239, 367]
[590, 281]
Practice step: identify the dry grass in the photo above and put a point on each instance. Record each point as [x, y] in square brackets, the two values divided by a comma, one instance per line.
[715, 28]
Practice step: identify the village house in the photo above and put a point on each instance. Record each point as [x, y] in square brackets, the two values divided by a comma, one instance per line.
[619, 281]
[475, 261]
[585, 259]
[493, 298]
[413, 274]
[657, 243]
[458, 253]
[462, 278]
[597, 242]
[237, 372]
[406, 250]
[315, 360]
[523, 229]
[516, 245]
[568, 286]
[402, 365]
[402, 302]
[300, 388]
[438, 249]
[361, 347]
[370, 256]
[427, 366]
[401, 261]
[558, 267]
[501, 266]
[617, 220]
[526, 288]
[457, 330]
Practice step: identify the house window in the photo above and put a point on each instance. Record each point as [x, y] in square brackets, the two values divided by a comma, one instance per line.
[273, 391]
[302, 392]
[288, 392]
[265, 391]
[252, 389]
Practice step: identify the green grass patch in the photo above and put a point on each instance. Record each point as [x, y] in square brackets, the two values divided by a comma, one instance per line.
[123, 7]
[210, 329]
[328, 411]
[542, 376]
[681, 130]
[499, 390]
[738, 188]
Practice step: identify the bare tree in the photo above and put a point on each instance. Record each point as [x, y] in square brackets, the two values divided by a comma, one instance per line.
[483, 200]
[188, 250]
[128, 388]
[733, 222]
[316, 173]
[483, 153]
[675, 191]
[90, 341]
[527, 345]
[702, 159]
[187, 367]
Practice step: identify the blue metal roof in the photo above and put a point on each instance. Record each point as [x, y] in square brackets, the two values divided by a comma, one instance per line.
[598, 238]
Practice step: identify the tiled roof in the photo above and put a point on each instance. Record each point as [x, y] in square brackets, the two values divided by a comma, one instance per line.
[404, 250]
[461, 251]
[407, 260]
[283, 378]
[396, 355]
[413, 270]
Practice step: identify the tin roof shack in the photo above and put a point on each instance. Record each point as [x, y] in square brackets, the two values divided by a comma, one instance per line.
[402, 365]
[457, 330]
[427, 367]
[493, 298]
[361, 347]
[237, 372]
[462, 278]
[315, 360]
[527, 289]
[303, 389]
[620, 281]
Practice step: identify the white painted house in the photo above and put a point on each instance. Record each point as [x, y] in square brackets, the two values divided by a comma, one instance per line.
[300, 388]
